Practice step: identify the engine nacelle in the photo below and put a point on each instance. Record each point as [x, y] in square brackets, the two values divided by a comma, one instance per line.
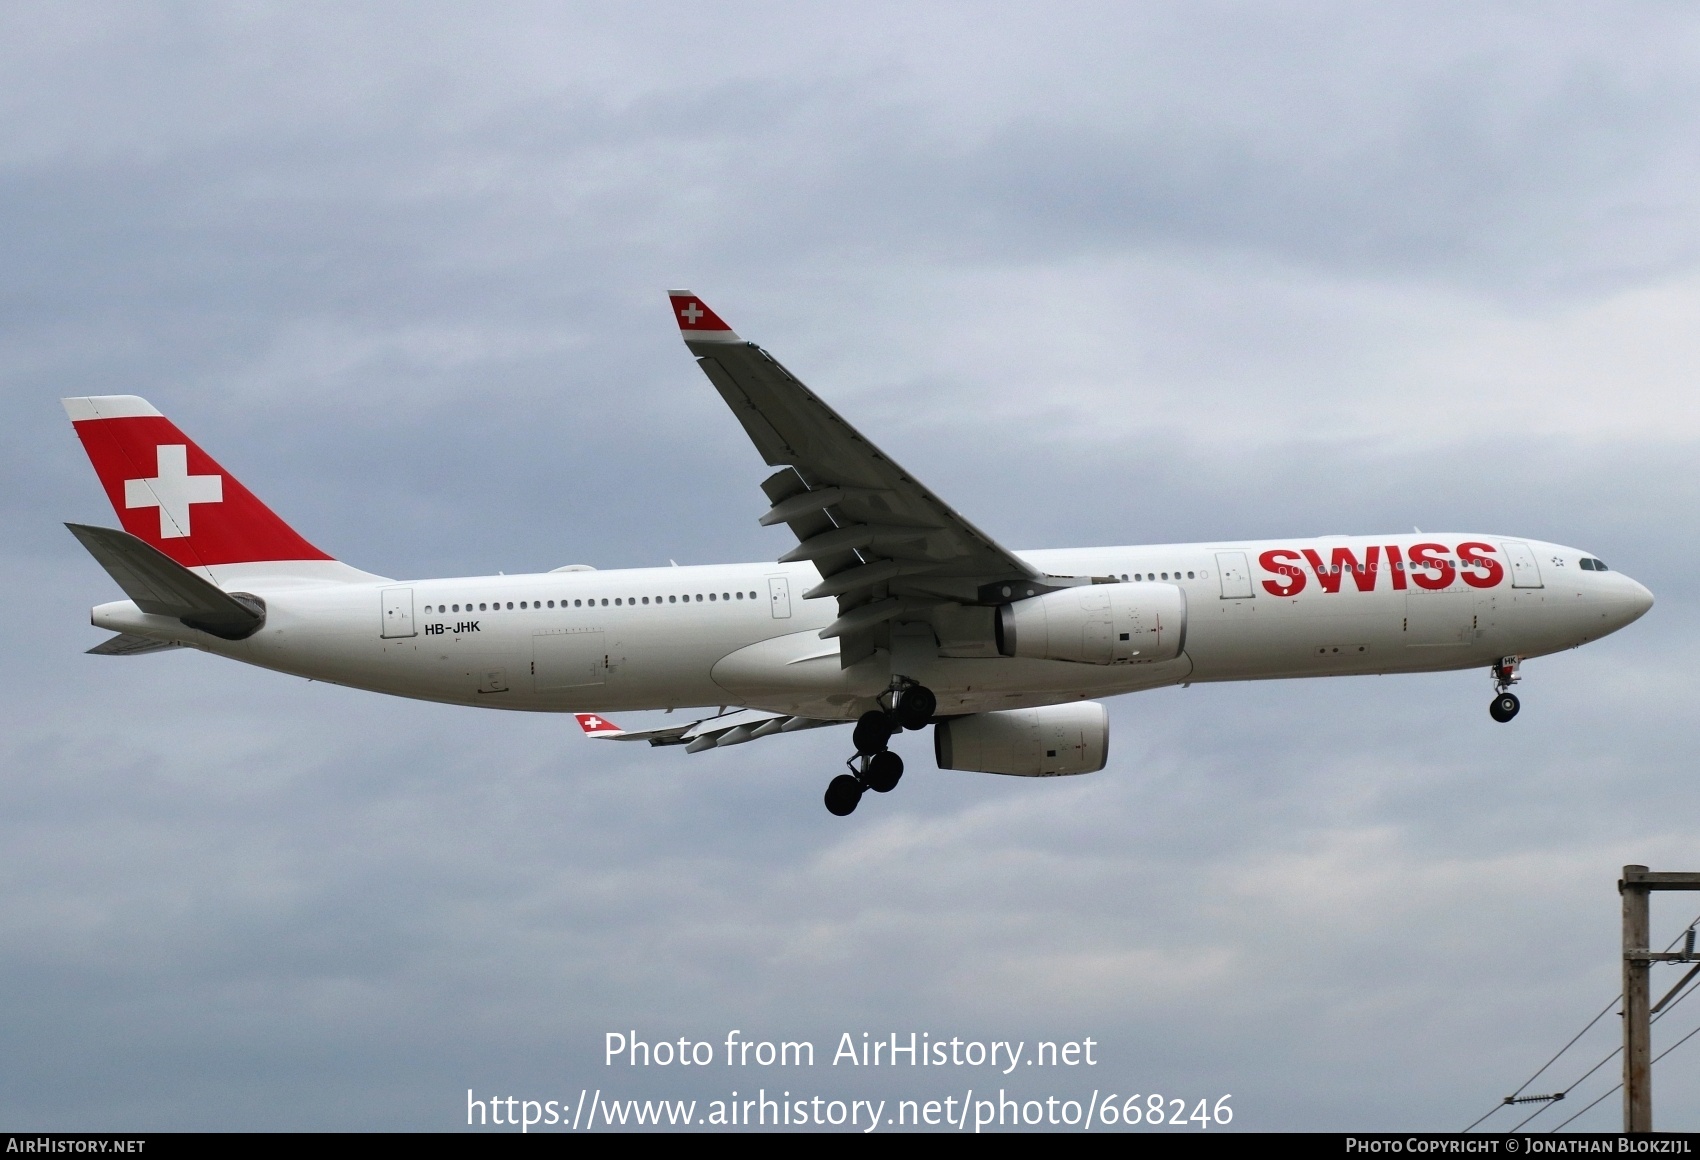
[1050, 741]
[1098, 624]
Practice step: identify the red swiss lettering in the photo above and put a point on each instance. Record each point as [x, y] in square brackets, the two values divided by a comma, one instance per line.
[1396, 565]
[1475, 555]
[1328, 577]
[1291, 577]
[1363, 575]
[1425, 564]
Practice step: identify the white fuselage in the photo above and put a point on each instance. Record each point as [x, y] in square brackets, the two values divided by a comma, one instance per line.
[741, 634]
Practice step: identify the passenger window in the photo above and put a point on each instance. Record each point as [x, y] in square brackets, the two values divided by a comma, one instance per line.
[740, 596]
[711, 596]
[1190, 576]
[672, 600]
[605, 602]
[699, 598]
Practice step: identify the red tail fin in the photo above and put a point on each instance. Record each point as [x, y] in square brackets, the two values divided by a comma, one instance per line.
[173, 495]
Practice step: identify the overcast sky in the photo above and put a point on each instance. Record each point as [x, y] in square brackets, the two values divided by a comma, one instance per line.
[1098, 274]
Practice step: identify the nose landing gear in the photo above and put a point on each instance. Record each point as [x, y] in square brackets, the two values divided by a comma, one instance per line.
[1505, 703]
[875, 766]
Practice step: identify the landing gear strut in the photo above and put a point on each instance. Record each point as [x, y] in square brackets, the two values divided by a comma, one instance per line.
[875, 766]
[879, 772]
[1505, 703]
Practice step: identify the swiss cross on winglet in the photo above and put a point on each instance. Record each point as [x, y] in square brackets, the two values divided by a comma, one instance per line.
[597, 726]
[697, 323]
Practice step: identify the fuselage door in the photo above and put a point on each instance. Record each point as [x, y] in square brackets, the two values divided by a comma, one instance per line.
[1236, 575]
[397, 612]
[1525, 572]
[779, 597]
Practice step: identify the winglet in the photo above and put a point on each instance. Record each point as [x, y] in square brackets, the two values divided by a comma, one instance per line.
[598, 726]
[697, 323]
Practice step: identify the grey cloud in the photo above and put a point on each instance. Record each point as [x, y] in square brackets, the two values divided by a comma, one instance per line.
[402, 273]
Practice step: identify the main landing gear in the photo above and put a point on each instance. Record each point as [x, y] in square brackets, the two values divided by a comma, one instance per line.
[875, 766]
[1505, 703]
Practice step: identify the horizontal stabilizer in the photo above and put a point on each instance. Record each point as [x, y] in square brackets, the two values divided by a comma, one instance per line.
[161, 586]
[129, 644]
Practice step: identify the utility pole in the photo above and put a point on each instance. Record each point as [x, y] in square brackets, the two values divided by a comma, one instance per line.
[1637, 882]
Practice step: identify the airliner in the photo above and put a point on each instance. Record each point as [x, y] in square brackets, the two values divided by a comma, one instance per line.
[892, 613]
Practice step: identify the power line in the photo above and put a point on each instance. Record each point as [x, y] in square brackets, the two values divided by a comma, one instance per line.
[1512, 1098]
[1619, 1086]
[1668, 1004]
[1614, 1054]
[1616, 1088]
[1524, 1085]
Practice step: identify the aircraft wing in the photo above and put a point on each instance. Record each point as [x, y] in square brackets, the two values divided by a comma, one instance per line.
[886, 547]
[708, 733]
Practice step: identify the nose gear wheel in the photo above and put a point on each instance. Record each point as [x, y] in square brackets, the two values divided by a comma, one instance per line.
[1505, 703]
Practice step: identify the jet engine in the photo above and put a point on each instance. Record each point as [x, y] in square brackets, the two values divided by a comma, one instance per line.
[1046, 742]
[1099, 624]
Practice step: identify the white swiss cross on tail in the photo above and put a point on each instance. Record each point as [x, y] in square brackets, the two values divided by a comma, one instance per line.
[172, 490]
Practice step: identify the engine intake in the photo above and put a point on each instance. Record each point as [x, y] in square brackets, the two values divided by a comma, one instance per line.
[1051, 741]
[1102, 624]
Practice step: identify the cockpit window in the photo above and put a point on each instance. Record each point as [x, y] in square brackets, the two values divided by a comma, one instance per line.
[1591, 565]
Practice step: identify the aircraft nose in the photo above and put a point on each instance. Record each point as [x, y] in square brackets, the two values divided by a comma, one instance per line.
[1640, 600]
[1627, 602]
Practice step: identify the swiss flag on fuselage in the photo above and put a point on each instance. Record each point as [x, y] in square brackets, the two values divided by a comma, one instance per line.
[173, 495]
